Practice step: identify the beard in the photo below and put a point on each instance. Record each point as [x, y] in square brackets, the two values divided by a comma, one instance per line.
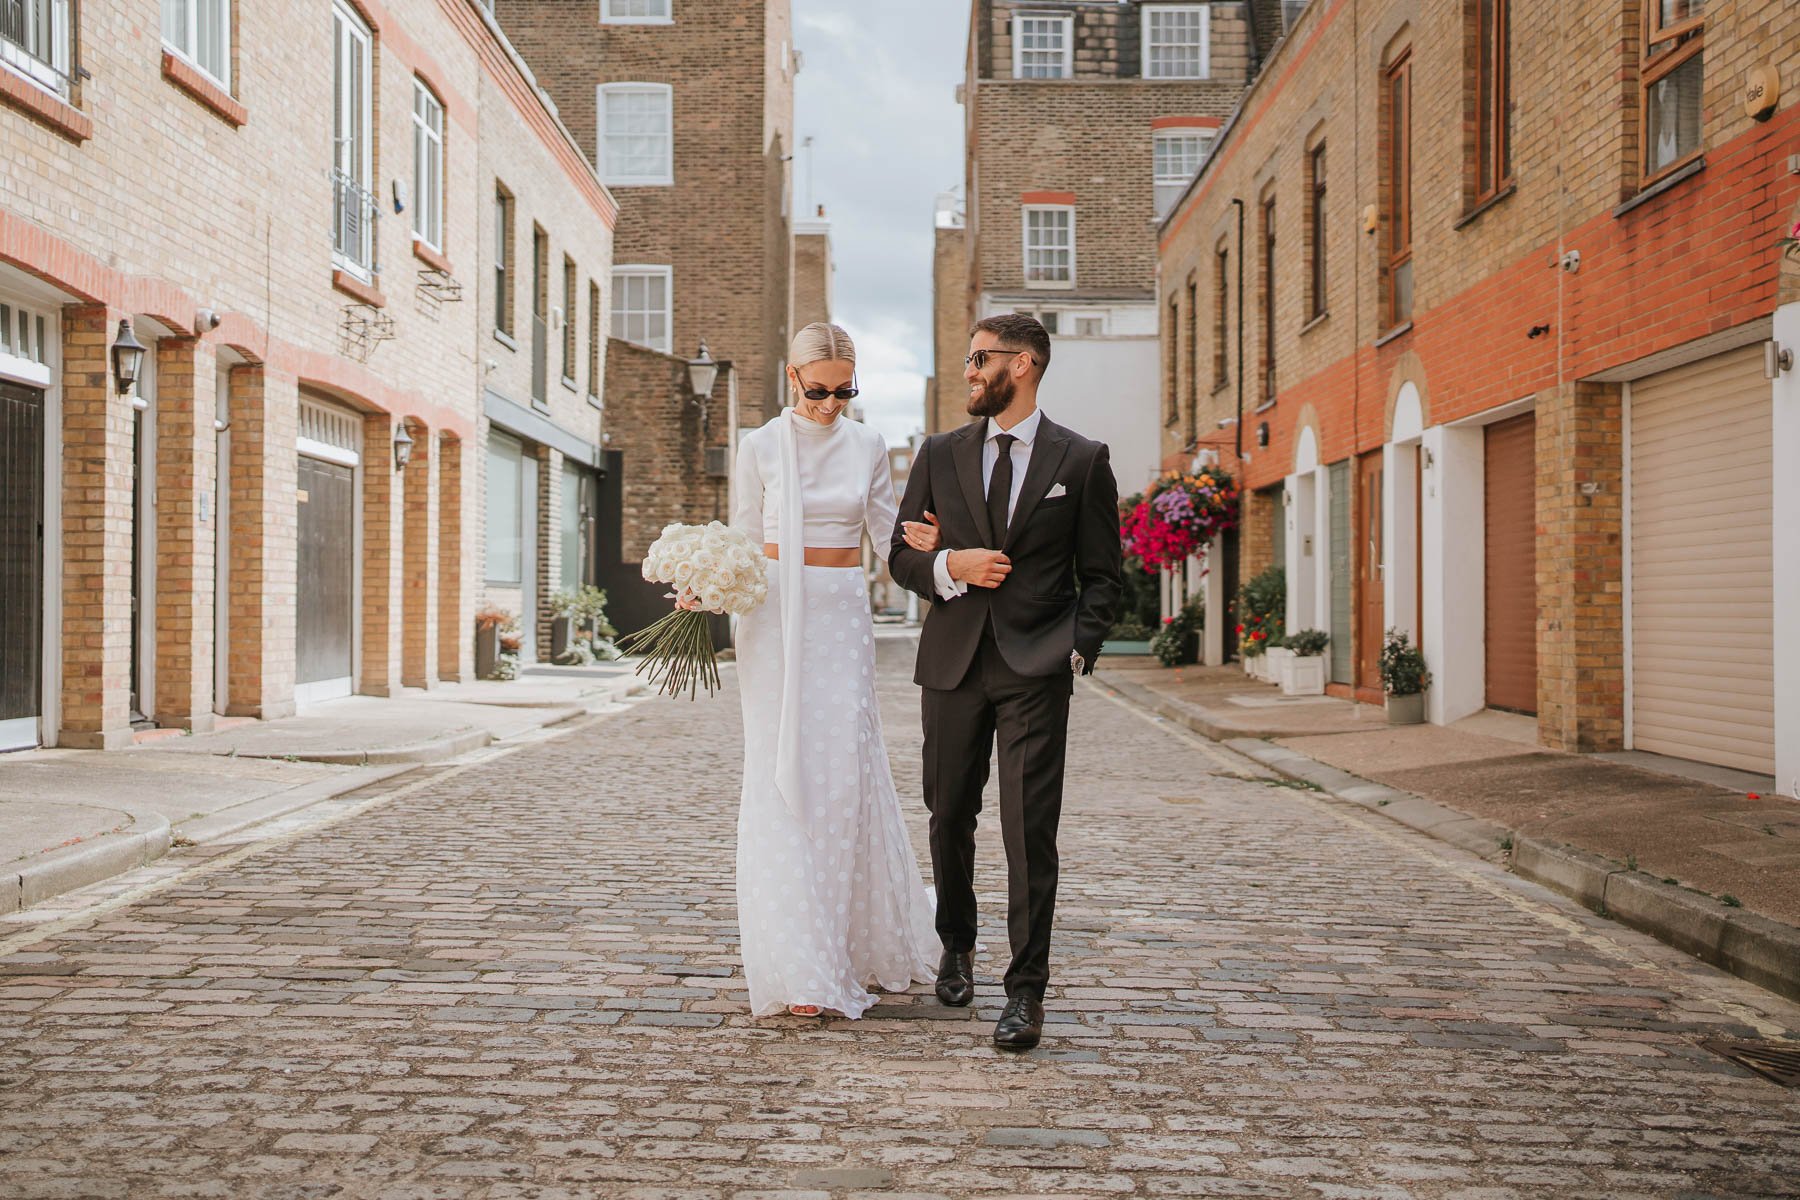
[995, 397]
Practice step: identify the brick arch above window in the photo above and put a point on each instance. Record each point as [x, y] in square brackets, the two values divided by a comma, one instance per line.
[1409, 370]
[1308, 455]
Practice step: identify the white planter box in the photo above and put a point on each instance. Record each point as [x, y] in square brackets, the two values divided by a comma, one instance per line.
[1303, 676]
[1249, 665]
[1277, 658]
[1260, 668]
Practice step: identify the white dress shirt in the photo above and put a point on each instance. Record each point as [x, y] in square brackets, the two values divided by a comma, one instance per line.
[1026, 433]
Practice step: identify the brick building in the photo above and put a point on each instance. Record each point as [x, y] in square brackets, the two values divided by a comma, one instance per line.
[1083, 119]
[1505, 361]
[292, 208]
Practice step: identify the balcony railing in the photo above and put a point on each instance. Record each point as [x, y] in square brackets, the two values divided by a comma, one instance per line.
[354, 213]
[36, 40]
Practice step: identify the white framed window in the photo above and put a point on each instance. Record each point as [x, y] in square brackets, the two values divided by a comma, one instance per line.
[200, 31]
[636, 12]
[637, 134]
[1177, 41]
[1043, 46]
[1178, 155]
[1088, 324]
[643, 305]
[35, 41]
[352, 168]
[428, 166]
[1049, 245]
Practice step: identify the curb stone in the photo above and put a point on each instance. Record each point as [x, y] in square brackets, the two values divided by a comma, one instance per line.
[54, 872]
[1752, 947]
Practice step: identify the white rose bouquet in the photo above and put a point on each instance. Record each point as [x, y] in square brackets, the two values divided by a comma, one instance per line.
[718, 569]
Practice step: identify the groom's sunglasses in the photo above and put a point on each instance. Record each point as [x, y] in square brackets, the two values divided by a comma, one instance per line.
[815, 393]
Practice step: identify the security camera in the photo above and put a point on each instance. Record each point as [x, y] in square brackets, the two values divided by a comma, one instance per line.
[206, 320]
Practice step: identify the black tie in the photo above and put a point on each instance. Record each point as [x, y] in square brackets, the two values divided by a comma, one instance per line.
[999, 495]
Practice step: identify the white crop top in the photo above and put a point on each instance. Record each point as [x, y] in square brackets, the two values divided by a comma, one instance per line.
[845, 485]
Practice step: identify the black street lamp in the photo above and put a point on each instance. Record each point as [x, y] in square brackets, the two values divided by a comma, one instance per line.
[403, 446]
[127, 357]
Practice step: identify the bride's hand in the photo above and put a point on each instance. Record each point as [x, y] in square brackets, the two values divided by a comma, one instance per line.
[685, 600]
[925, 536]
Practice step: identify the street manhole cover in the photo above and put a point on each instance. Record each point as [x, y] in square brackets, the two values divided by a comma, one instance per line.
[1777, 1062]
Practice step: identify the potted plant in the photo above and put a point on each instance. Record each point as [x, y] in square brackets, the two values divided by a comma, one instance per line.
[1303, 674]
[1177, 643]
[1404, 679]
[512, 642]
[489, 622]
[1262, 609]
[579, 632]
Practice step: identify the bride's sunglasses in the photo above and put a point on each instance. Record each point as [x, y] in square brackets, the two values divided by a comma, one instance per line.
[816, 393]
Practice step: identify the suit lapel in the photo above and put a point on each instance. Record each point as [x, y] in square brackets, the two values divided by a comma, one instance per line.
[967, 454]
[1046, 458]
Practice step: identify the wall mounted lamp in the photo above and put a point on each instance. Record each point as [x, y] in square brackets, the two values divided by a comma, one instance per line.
[403, 447]
[127, 357]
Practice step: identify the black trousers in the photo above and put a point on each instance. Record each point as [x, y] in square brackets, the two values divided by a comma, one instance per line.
[1030, 718]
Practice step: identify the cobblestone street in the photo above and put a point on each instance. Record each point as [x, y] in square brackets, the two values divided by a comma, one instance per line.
[518, 980]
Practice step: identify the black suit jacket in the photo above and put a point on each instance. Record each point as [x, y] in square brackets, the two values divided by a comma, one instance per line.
[1066, 580]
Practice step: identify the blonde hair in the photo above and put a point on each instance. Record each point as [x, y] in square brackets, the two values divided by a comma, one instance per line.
[821, 341]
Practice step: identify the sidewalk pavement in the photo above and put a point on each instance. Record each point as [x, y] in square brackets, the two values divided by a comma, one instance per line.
[1704, 858]
[69, 818]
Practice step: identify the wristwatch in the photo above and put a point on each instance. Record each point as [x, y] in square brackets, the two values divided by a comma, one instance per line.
[1077, 663]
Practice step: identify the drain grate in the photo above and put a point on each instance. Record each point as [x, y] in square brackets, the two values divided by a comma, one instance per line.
[1779, 1062]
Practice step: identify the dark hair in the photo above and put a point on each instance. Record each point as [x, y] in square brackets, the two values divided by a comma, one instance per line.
[1019, 331]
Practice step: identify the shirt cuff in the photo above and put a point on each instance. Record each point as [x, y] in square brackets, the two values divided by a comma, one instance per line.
[947, 588]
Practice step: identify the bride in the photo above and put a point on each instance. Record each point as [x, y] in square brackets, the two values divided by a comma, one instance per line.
[830, 900]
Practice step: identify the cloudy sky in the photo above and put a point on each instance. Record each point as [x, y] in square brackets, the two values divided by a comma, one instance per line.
[877, 96]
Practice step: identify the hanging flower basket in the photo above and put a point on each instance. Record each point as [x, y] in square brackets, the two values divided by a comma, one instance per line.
[1179, 517]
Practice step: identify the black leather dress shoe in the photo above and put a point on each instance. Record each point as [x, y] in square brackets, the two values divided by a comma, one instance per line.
[956, 978]
[1021, 1024]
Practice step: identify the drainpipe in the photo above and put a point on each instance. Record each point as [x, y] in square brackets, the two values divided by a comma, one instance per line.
[1239, 205]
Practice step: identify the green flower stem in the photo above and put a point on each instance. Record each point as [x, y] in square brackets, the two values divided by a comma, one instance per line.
[678, 654]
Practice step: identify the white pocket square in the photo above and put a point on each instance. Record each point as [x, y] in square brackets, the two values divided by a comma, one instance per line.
[1055, 491]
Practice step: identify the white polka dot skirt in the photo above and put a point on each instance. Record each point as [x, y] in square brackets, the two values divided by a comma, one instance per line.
[825, 913]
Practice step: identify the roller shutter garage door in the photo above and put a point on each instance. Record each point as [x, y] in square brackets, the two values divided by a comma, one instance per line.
[1702, 563]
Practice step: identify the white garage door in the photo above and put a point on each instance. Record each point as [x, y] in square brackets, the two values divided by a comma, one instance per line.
[1702, 563]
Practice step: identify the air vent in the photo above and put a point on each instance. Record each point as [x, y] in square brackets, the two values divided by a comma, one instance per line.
[718, 461]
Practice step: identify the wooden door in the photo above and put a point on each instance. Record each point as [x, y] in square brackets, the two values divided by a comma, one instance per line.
[1510, 506]
[21, 562]
[1370, 604]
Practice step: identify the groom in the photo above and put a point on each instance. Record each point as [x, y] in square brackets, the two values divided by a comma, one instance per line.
[1023, 595]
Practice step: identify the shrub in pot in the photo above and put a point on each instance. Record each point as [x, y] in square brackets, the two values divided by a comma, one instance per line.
[1404, 679]
[1177, 643]
[489, 623]
[1303, 673]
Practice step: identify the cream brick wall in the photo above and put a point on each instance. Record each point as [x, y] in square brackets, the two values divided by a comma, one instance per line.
[139, 199]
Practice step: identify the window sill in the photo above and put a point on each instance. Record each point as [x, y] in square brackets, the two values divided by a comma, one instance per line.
[1221, 386]
[1394, 334]
[595, 402]
[190, 79]
[1315, 322]
[571, 387]
[350, 285]
[1667, 183]
[1265, 406]
[51, 109]
[506, 339]
[1049, 286]
[431, 258]
[1474, 214]
[639, 183]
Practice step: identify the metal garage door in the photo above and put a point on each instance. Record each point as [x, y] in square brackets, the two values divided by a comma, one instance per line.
[1510, 525]
[330, 442]
[1702, 563]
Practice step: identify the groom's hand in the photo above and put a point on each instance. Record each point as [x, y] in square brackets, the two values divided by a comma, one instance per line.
[979, 568]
